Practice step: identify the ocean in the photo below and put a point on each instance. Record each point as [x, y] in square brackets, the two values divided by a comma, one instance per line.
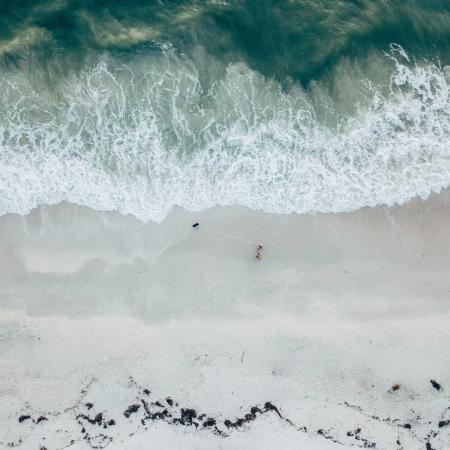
[291, 106]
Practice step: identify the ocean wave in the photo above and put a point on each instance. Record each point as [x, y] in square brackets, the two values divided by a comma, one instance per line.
[143, 135]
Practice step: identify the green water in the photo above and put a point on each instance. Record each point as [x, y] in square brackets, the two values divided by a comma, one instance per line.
[298, 39]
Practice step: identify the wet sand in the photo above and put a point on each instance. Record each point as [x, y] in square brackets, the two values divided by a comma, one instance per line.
[340, 309]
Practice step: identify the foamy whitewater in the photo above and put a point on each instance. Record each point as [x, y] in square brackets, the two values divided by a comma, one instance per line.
[145, 135]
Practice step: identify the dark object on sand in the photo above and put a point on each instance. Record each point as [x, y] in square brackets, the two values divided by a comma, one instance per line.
[196, 224]
[22, 418]
[395, 387]
[436, 385]
[131, 409]
[259, 252]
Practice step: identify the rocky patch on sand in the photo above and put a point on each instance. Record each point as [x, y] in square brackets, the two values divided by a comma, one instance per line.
[90, 422]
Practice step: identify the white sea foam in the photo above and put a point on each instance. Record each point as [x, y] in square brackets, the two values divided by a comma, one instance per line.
[143, 136]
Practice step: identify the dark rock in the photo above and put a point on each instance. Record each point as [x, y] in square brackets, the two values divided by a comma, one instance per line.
[429, 447]
[187, 415]
[161, 415]
[166, 410]
[436, 385]
[443, 423]
[209, 423]
[407, 425]
[41, 419]
[22, 418]
[255, 410]
[98, 419]
[252, 415]
[269, 407]
[239, 423]
[131, 410]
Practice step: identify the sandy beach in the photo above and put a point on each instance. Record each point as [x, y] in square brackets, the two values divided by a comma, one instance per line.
[338, 337]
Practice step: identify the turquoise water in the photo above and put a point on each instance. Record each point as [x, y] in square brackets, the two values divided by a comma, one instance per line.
[288, 106]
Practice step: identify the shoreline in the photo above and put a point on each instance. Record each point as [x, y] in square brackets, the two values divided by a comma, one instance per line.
[314, 253]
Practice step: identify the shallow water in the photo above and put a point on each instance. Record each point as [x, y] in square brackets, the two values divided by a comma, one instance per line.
[85, 263]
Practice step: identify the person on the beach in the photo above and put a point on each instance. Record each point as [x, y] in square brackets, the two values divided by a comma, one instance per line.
[259, 252]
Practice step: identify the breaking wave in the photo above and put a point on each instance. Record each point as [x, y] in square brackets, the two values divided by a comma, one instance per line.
[144, 134]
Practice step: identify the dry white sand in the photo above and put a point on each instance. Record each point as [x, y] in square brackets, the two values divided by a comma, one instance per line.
[341, 308]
